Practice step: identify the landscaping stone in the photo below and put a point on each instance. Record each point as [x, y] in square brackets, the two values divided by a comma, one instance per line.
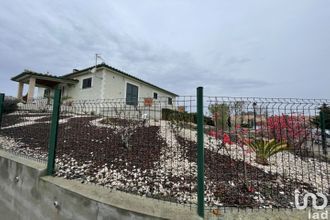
[161, 162]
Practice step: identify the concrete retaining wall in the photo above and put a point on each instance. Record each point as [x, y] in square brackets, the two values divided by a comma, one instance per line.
[25, 193]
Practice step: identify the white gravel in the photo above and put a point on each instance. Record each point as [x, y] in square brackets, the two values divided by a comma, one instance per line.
[173, 164]
[308, 170]
[11, 145]
[172, 159]
[158, 181]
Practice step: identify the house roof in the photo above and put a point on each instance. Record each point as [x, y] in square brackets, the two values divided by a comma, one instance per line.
[42, 78]
[103, 65]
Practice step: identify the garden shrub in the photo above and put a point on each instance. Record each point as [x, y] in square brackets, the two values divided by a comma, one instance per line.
[10, 105]
[220, 113]
[265, 149]
[316, 120]
[166, 113]
[247, 125]
[173, 115]
[208, 121]
[292, 129]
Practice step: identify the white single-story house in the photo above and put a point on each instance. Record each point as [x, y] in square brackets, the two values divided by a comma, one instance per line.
[98, 82]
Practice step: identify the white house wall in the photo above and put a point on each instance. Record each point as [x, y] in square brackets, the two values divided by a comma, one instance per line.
[41, 92]
[115, 87]
[107, 84]
[76, 92]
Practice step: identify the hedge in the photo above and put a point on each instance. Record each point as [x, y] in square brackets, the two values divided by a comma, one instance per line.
[10, 105]
[169, 114]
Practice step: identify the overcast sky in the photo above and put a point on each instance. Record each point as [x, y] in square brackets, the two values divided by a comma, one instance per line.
[233, 48]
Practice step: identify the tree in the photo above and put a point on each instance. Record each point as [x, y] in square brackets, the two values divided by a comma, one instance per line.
[326, 112]
[292, 129]
[238, 111]
[220, 114]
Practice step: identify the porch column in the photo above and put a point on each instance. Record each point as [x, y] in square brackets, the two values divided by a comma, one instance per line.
[32, 85]
[20, 90]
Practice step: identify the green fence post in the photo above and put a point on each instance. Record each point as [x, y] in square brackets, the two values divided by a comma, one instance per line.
[200, 153]
[53, 132]
[2, 99]
[322, 125]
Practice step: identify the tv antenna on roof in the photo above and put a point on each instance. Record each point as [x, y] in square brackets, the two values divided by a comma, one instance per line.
[97, 56]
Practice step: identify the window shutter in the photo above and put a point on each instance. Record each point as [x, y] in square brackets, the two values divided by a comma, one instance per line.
[132, 94]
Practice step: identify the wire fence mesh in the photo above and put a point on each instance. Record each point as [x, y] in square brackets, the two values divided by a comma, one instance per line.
[131, 148]
[258, 151]
[25, 128]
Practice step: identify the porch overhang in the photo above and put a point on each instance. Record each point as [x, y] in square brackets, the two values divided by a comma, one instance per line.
[38, 80]
[42, 80]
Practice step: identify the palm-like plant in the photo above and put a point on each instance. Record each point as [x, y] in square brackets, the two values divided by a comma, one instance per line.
[265, 149]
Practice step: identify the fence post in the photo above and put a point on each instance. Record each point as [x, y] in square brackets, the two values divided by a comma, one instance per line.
[2, 99]
[200, 153]
[53, 132]
[322, 125]
[254, 116]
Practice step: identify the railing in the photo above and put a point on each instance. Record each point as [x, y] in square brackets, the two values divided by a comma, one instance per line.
[257, 152]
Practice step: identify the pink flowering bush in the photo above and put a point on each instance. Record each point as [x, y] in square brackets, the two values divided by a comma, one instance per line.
[293, 130]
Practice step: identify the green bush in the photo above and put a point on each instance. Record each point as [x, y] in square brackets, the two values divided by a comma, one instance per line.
[326, 111]
[246, 125]
[221, 114]
[10, 105]
[166, 113]
[170, 115]
[208, 121]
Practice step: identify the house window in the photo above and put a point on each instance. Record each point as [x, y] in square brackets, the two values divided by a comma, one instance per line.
[87, 83]
[131, 94]
[169, 101]
[155, 95]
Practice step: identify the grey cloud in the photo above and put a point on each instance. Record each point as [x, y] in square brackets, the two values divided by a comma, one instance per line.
[232, 52]
[236, 60]
[179, 70]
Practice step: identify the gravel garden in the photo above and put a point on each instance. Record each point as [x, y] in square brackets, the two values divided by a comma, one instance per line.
[155, 159]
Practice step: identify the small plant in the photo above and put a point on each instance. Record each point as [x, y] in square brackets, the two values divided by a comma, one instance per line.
[118, 111]
[177, 122]
[265, 149]
[127, 127]
[126, 132]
